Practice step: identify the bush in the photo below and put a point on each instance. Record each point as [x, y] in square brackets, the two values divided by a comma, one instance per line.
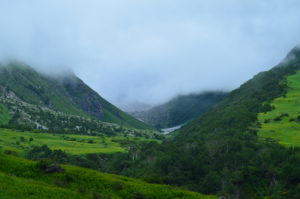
[48, 166]
[117, 186]
[100, 196]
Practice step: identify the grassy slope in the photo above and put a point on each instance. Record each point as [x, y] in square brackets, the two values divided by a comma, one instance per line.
[20, 178]
[285, 131]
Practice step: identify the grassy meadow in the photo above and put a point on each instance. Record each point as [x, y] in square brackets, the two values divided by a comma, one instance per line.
[283, 122]
[20, 142]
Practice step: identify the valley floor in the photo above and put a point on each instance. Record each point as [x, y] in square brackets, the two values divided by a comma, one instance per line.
[21, 142]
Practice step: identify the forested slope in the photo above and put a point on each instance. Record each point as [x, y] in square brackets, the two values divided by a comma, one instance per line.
[221, 153]
[181, 109]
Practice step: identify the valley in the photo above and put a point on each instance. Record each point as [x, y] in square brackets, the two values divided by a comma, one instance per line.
[218, 153]
[196, 99]
[213, 154]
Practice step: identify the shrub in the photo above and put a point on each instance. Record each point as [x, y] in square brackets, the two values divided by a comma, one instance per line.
[100, 196]
[48, 166]
[117, 186]
[82, 189]
[138, 195]
[22, 139]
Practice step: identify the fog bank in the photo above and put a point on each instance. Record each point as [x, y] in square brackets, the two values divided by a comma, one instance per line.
[152, 50]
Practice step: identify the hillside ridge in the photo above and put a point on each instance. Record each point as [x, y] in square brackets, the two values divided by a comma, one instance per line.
[66, 93]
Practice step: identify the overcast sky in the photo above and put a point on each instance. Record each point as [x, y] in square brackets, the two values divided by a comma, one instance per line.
[150, 50]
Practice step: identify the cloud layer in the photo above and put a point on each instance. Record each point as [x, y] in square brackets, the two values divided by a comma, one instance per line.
[150, 50]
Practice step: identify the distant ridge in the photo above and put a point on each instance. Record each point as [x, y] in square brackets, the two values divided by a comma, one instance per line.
[180, 110]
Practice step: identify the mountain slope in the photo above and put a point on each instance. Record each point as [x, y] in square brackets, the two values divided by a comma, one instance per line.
[221, 153]
[67, 94]
[180, 109]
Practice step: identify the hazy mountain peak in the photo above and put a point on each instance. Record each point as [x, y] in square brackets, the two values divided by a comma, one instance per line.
[294, 53]
[65, 93]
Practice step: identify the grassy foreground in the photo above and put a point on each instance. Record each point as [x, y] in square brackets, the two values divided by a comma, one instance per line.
[283, 122]
[20, 178]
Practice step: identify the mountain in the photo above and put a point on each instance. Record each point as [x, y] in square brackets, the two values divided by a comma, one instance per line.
[230, 150]
[64, 94]
[180, 109]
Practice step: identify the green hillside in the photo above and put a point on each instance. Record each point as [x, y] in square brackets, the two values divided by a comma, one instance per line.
[180, 109]
[20, 178]
[282, 123]
[65, 93]
[221, 153]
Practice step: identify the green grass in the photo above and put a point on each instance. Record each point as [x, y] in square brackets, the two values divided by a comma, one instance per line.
[20, 178]
[71, 144]
[79, 145]
[284, 130]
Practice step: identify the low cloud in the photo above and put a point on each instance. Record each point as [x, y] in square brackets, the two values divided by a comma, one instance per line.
[149, 51]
